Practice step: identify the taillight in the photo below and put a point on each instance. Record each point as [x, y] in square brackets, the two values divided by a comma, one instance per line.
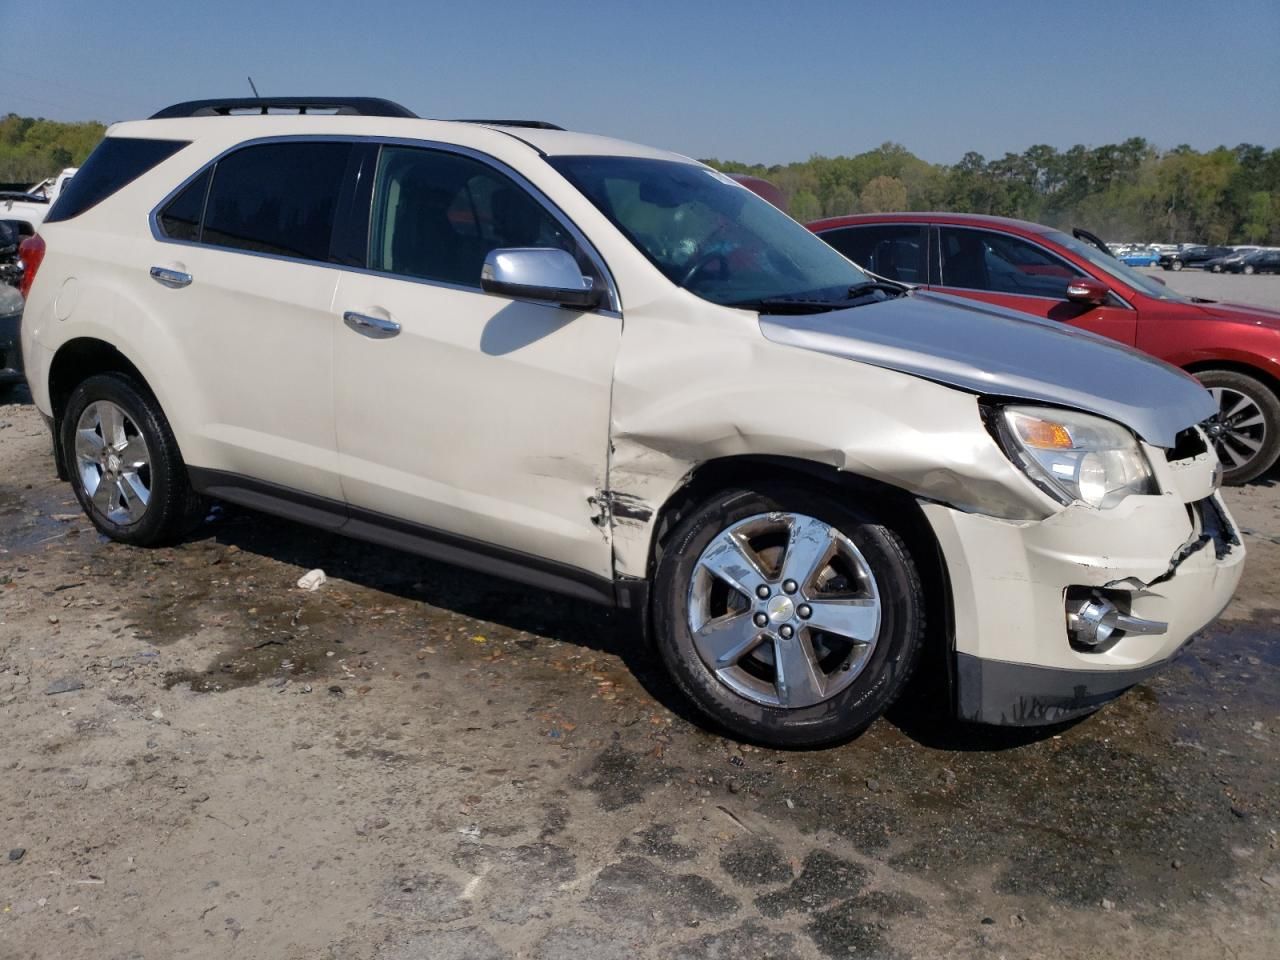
[31, 253]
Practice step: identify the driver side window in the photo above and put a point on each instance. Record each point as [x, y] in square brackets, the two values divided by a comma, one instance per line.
[1001, 263]
[437, 215]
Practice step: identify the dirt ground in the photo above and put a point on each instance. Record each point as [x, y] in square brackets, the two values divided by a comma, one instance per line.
[415, 763]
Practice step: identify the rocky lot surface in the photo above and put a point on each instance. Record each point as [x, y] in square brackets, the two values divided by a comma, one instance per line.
[198, 759]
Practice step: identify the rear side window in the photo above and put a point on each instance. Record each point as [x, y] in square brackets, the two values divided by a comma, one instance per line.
[180, 219]
[276, 198]
[894, 251]
[117, 162]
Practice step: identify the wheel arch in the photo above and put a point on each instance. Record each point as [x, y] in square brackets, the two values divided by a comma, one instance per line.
[1268, 378]
[75, 361]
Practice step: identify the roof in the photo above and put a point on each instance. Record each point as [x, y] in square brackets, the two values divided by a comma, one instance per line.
[935, 216]
[249, 126]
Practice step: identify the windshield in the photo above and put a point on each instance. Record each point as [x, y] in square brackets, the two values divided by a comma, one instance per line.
[1121, 271]
[710, 235]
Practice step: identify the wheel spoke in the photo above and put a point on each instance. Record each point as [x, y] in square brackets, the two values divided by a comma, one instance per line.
[1236, 459]
[1253, 446]
[799, 681]
[112, 420]
[727, 559]
[809, 545]
[88, 445]
[726, 640]
[1240, 405]
[1255, 421]
[856, 620]
[134, 490]
[104, 495]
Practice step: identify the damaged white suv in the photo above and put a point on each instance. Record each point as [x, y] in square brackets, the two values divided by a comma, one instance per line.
[612, 372]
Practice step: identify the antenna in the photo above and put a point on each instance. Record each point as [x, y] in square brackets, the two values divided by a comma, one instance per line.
[253, 88]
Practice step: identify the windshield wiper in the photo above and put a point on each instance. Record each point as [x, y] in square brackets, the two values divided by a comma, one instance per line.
[870, 286]
[789, 305]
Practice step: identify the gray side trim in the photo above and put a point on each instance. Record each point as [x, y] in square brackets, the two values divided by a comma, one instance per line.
[1021, 695]
[424, 541]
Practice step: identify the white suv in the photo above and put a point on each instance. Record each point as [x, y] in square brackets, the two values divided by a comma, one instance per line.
[612, 372]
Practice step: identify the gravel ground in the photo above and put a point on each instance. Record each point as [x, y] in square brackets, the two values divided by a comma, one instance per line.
[416, 763]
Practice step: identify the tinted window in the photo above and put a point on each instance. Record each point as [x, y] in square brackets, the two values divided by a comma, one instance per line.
[894, 251]
[116, 162]
[437, 215]
[985, 260]
[276, 198]
[180, 219]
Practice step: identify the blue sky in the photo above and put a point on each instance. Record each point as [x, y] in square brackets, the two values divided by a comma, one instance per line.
[757, 81]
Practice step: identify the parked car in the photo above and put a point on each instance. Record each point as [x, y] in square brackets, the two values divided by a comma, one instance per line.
[1262, 261]
[10, 264]
[1140, 258]
[1218, 264]
[1191, 257]
[1233, 349]
[10, 346]
[611, 371]
[28, 209]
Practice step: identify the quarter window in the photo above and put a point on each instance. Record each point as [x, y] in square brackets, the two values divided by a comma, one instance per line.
[436, 216]
[180, 219]
[277, 198]
[985, 260]
[115, 163]
[894, 251]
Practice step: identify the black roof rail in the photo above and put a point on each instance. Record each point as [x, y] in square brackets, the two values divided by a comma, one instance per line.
[343, 106]
[528, 124]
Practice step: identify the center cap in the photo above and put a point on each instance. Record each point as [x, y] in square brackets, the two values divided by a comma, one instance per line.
[113, 463]
[780, 608]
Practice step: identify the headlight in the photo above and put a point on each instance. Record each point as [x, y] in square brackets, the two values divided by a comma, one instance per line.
[1074, 456]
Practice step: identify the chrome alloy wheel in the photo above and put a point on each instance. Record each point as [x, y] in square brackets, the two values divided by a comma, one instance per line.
[113, 462]
[1239, 430]
[784, 609]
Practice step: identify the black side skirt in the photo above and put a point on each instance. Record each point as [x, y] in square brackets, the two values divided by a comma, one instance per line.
[415, 538]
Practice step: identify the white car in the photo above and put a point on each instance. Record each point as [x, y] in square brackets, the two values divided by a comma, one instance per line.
[29, 209]
[610, 371]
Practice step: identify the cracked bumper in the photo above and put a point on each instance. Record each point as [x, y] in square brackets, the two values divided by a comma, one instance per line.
[1014, 663]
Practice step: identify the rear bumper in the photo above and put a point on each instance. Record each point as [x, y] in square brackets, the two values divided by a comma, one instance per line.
[11, 368]
[1014, 663]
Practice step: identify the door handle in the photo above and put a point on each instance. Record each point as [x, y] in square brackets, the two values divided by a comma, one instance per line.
[170, 278]
[375, 327]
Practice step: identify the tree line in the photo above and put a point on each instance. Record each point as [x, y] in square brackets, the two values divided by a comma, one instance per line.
[1129, 191]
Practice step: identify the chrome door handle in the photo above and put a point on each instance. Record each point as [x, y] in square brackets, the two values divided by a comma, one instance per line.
[375, 327]
[170, 278]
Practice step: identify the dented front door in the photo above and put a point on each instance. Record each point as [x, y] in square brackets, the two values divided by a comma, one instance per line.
[475, 415]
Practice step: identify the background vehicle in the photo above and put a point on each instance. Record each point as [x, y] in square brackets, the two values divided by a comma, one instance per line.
[1139, 258]
[1218, 264]
[10, 348]
[1263, 261]
[29, 209]
[10, 263]
[1233, 349]
[1195, 256]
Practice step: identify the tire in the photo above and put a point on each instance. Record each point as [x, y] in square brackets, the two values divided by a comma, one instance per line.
[121, 464]
[1247, 268]
[1216, 268]
[1240, 433]
[853, 683]
[1176, 266]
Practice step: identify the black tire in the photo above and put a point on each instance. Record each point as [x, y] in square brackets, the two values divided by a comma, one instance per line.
[899, 640]
[173, 508]
[1268, 403]
[1247, 268]
[1176, 266]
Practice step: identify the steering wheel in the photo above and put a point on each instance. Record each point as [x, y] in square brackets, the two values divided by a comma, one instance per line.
[702, 263]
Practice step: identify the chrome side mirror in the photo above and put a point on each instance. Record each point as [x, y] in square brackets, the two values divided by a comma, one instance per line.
[539, 273]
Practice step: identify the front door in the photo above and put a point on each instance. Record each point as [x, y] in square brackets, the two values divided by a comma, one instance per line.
[1012, 272]
[479, 416]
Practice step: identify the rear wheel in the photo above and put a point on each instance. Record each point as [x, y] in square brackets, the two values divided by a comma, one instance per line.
[1176, 266]
[1247, 268]
[1246, 430]
[786, 616]
[125, 466]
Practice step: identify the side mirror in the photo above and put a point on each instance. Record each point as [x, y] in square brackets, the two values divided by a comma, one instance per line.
[1087, 290]
[539, 273]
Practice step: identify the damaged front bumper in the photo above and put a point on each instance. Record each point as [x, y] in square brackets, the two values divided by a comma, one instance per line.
[1166, 561]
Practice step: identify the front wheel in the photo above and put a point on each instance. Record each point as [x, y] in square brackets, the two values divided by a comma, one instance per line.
[124, 462]
[1247, 268]
[786, 616]
[1246, 429]
[1176, 266]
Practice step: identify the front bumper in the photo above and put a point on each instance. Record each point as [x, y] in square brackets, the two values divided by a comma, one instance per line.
[1014, 663]
[11, 369]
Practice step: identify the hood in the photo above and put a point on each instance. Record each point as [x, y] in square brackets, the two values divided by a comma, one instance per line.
[989, 350]
[1242, 313]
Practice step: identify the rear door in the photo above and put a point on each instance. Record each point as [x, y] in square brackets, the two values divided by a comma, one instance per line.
[460, 412]
[1013, 272]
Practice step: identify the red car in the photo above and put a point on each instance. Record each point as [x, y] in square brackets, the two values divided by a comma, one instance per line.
[1233, 349]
